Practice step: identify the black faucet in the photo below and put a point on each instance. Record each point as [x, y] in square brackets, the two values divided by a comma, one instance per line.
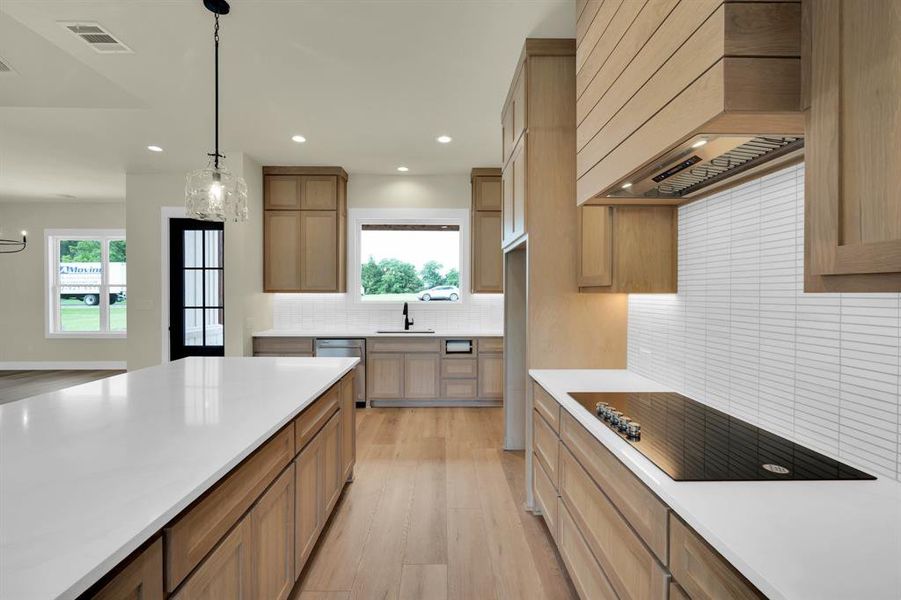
[407, 320]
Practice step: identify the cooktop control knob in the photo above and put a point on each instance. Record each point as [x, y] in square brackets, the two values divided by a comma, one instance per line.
[633, 430]
[624, 424]
[601, 408]
[615, 416]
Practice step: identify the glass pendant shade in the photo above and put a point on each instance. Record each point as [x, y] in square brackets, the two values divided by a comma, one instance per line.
[215, 194]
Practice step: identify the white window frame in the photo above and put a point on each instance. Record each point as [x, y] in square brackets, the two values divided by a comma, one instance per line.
[52, 238]
[407, 216]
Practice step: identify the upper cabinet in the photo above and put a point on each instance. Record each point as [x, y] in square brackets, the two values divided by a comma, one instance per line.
[304, 229]
[666, 88]
[536, 120]
[852, 55]
[487, 256]
[627, 249]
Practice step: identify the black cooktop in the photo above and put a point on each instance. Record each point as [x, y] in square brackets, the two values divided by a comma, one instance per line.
[690, 441]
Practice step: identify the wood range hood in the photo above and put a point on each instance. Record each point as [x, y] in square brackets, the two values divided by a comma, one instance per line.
[680, 99]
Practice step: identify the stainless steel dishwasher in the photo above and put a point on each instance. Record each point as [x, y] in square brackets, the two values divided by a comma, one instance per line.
[354, 348]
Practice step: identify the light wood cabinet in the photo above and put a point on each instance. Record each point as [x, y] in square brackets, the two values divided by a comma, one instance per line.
[227, 572]
[459, 389]
[304, 229]
[421, 376]
[348, 427]
[545, 496]
[315, 416]
[332, 480]
[701, 571]
[507, 216]
[629, 249]
[319, 250]
[307, 502]
[514, 190]
[283, 346]
[191, 537]
[629, 566]
[272, 539]
[852, 56]
[545, 444]
[459, 368]
[491, 376]
[384, 376]
[587, 577]
[141, 579]
[487, 224]
[282, 250]
[545, 405]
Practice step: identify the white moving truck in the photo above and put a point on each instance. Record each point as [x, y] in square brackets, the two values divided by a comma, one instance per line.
[81, 281]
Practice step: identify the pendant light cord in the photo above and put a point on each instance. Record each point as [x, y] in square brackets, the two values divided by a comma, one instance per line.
[216, 41]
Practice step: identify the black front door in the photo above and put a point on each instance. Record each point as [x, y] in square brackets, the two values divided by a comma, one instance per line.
[196, 289]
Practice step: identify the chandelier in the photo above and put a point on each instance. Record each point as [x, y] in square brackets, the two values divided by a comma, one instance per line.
[214, 193]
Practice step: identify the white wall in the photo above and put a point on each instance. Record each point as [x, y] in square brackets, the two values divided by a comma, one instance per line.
[740, 335]
[246, 306]
[408, 191]
[22, 302]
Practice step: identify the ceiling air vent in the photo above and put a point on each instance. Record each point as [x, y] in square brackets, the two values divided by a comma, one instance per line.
[98, 38]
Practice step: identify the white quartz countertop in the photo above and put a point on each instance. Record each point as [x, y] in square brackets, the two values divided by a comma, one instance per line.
[819, 540]
[89, 473]
[370, 333]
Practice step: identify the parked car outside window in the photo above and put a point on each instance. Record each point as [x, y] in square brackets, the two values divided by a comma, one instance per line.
[441, 292]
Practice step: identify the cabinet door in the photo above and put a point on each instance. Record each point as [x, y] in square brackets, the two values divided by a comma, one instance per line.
[421, 372]
[487, 254]
[227, 572]
[348, 427]
[595, 246]
[519, 190]
[319, 192]
[281, 192]
[852, 186]
[332, 482]
[507, 185]
[491, 376]
[141, 579]
[319, 251]
[385, 376]
[487, 193]
[307, 501]
[281, 251]
[507, 132]
[272, 519]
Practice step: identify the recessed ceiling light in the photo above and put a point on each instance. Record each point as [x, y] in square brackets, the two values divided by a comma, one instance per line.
[403, 169]
[699, 143]
[298, 138]
[627, 185]
[444, 139]
[154, 148]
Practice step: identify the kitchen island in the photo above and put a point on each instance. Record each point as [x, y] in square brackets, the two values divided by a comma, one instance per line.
[95, 475]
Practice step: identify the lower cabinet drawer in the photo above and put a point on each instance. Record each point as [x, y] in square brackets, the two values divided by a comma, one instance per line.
[703, 573]
[459, 389]
[545, 445]
[459, 368]
[547, 406]
[545, 496]
[676, 593]
[586, 574]
[227, 572]
[629, 565]
[314, 417]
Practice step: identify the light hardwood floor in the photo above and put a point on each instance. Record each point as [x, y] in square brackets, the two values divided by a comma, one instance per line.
[15, 385]
[435, 511]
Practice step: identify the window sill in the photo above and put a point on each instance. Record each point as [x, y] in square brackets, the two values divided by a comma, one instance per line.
[86, 335]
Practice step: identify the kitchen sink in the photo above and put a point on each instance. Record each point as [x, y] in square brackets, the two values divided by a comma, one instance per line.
[405, 331]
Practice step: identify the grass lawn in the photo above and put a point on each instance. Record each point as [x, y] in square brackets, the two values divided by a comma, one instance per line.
[75, 315]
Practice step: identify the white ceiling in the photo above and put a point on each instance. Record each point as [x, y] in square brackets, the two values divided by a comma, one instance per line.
[370, 83]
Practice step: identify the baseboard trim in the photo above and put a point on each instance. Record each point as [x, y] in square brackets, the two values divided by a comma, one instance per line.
[45, 365]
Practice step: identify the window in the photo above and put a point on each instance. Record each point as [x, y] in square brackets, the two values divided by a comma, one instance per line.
[87, 295]
[410, 256]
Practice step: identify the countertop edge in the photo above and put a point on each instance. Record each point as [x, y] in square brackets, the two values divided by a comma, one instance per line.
[93, 576]
[275, 333]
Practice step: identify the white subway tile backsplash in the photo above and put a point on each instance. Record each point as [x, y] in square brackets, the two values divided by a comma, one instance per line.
[338, 312]
[740, 335]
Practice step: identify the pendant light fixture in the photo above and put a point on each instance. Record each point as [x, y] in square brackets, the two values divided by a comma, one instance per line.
[214, 193]
[10, 246]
